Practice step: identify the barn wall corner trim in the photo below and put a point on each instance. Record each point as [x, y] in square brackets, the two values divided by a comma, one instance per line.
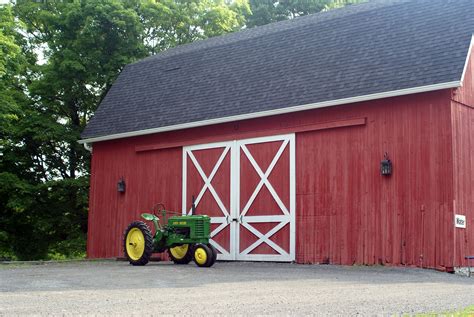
[467, 60]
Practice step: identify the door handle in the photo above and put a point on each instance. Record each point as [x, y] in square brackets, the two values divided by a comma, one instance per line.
[238, 219]
[231, 219]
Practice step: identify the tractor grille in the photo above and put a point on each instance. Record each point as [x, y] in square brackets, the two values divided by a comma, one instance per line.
[199, 228]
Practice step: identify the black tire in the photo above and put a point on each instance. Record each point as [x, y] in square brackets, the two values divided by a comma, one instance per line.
[202, 255]
[184, 259]
[214, 254]
[140, 257]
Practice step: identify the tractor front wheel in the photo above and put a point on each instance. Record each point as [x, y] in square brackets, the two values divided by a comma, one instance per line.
[181, 254]
[138, 243]
[214, 253]
[203, 255]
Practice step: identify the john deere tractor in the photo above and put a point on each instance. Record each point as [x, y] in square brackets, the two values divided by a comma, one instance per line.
[185, 238]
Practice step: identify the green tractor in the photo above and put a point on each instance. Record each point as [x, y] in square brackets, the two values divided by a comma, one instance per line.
[186, 238]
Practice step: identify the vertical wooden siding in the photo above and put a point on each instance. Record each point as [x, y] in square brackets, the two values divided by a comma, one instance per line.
[150, 178]
[462, 106]
[346, 211]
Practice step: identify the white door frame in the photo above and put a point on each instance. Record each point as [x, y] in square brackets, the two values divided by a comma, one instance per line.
[236, 217]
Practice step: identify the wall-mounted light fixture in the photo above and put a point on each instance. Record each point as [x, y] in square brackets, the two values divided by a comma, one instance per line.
[121, 185]
[386, 165]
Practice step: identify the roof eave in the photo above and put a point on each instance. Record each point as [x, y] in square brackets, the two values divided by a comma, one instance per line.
[330, 103]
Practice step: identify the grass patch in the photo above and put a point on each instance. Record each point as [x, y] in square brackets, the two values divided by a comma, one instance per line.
[466, 312]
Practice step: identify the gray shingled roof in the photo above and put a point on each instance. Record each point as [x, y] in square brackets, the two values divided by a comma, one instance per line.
[359, 50]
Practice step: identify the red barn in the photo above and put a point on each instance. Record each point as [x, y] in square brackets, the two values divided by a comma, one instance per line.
[280, 133]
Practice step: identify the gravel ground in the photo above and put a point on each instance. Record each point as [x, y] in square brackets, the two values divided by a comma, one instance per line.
[116, 288]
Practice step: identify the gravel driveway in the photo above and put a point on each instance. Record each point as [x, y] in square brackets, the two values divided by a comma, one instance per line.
[110, 287]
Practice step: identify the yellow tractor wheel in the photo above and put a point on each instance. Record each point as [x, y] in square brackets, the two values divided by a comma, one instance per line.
[181, 254]
[138, 243]
[203, 255]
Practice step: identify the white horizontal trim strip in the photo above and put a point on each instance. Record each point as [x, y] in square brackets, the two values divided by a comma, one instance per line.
[330, 103]
[265, 139]
[218, 219]
[265, 257]
[270, 218]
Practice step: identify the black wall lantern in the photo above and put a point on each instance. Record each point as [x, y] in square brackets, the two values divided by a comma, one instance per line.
[121, 185]
[386, 165]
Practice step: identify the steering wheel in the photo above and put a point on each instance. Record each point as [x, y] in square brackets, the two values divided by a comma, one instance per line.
[158, 209]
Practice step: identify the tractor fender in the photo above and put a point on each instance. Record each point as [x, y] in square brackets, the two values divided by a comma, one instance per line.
[151, 217]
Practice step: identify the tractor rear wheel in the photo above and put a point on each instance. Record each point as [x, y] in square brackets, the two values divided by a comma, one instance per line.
[203, 256]
[138, 243]
[181, 254]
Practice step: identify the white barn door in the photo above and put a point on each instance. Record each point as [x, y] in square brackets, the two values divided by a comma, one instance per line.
[207, 177]
[247, 187]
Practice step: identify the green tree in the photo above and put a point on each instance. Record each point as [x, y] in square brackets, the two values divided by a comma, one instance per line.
[11, 66]
[169, 23]
[44, 179]
[58, 60]
[15, 162]
[267, 11]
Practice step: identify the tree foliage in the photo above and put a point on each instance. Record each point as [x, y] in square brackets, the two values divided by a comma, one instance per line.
[267, 11]
[169, 23]
[57, 61]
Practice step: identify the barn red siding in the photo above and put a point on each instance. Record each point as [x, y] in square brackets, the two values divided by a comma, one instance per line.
[346, 212]
[150, 178]
[462, 106]
[350, 214]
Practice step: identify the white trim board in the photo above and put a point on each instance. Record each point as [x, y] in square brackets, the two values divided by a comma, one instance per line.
[330, 103]
[467, 59]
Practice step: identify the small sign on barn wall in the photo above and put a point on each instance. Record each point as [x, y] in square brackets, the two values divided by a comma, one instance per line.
[460, 221]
